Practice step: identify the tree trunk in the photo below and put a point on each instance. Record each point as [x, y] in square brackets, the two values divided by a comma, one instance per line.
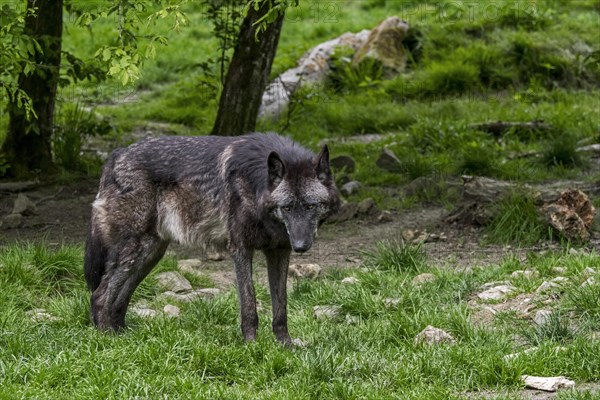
[27, 146]
[248, 75]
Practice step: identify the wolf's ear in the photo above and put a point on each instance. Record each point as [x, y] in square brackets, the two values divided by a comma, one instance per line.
[322, 167]
[276, 170]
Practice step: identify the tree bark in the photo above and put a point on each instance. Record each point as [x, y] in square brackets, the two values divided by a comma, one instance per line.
[27, 147]
[248, 75]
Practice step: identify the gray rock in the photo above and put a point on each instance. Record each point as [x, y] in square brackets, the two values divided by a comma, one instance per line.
[191, 295]
[24, 206]
[40, 315]
[388, 161]
[312, 69]
[173, 281]
[11, 221]
[351, 319]
[308, 271]
[350, 188]
[347, 212]
[423, 187]
[327, 312]
[191, 266]
[143, 311]
[171, 310]
[547, 384]
[497, 292]
[350, 280]
[216, 256]
[385, 44]
[343, 163]
[367, 207]
[547, 286]
[542, 317]
[433, 336]
[391, 302]
[385, 216]
[528, 274]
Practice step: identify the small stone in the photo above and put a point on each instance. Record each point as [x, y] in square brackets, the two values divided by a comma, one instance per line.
[391, 302]
[192, 295]
[343, 163]
[191, 266]
[346, 212]
[385, 216]
[40, 315]
[522, 353]
[497, 292]
[350, 188]
[327, 312]
[143, 311]
[367, 207]
[414, 236]
[24, 206]
[542, 317]
[423, 278]
[589, 281]
[547, 286]
[171, 310]
[388, 161]
[308, 271]
[173, 281]
[561, 280]
[528, 274]
[547, 384]
[11, 221]
[558, 270]
[297, 342]
[573, 251]
[351, 319]
[431, 335]
[215, 256]
[350, 280]
[589, 271]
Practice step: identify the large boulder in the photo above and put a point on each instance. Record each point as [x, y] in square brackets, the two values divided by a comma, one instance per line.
[311, 69]
[385, 45]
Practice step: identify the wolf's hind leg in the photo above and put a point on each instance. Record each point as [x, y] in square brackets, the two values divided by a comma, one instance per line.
[277, 266]
[128, 266]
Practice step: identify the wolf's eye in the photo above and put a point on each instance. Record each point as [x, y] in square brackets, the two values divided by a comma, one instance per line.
[310, 206]
[286, 208]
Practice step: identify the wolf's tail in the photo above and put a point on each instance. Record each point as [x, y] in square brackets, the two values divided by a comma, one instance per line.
[94, 261]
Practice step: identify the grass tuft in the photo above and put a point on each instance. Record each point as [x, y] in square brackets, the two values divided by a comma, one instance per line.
[397, 256]
[517, 221]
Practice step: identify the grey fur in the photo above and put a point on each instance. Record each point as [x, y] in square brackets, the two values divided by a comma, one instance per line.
[246, 193]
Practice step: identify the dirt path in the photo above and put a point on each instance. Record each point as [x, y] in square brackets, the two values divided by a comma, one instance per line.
[63, 213]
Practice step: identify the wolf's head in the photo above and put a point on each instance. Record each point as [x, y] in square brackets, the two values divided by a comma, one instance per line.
[303, 195]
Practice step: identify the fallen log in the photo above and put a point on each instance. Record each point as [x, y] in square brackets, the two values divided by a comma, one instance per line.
[499, 128]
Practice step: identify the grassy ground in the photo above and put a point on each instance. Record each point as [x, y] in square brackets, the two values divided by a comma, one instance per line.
[201, 354]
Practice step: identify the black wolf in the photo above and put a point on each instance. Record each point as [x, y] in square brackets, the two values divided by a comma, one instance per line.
[245, 193]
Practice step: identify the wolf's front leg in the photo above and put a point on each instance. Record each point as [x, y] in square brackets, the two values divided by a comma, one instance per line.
[277, 266]
[242, 259]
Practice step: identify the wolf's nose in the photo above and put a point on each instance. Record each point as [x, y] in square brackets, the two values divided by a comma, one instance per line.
[301, 247]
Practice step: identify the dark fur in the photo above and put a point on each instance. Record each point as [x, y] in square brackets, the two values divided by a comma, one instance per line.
[254, 192]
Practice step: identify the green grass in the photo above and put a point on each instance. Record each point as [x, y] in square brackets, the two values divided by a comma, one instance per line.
[202, 352]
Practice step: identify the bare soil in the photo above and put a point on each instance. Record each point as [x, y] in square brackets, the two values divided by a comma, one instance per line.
[63, 213]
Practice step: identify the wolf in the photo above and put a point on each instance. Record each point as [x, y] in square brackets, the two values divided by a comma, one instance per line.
[257, 192]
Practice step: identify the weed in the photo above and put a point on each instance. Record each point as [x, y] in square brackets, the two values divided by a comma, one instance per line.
[561, 151]
[517, 220]
[397, 256]
[585, 300]
[555, 328]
